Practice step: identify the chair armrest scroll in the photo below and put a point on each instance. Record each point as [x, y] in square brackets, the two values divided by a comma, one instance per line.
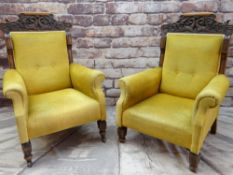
[137, 87]
[89, 82]
[210, 97]
[15, 89]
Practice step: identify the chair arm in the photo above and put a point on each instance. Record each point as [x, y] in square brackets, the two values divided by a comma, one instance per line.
[14, 88]
[210, 97]
[89, 82]
[137, 87]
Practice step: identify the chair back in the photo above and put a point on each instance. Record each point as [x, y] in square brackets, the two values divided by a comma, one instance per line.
[40, 48]
[42, 60]
[193, 50]
[190, 62]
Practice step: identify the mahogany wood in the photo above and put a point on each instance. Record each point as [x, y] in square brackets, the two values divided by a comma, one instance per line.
[102, 129]
[122, 131]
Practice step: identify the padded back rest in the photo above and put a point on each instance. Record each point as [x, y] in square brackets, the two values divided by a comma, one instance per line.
[190, 62]
[42, 60]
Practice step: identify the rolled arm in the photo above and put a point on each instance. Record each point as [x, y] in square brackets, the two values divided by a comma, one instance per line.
[210, 97]
[206, 109]
[89, 82]
[137, 87]
[14, 88]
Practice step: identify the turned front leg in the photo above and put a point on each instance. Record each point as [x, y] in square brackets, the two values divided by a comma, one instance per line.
[213, 129]
[102, 129]
[193, 161]
[27, 151]
[122, 131]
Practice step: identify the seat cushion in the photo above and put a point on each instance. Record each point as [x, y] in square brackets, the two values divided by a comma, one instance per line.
[59, 110]
[42, 60]
[163, 116]
[190, 62]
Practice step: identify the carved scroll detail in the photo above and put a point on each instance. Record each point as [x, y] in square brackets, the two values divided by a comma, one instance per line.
[198, 24]
[34, 22]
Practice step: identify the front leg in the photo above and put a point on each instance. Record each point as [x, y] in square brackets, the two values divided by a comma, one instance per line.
[193, 161]
[102, 129]
[122, 131]
[213, 129]
[27, 150]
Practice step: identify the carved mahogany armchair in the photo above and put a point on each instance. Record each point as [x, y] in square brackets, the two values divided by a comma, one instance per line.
[179, 101]
[49, 92]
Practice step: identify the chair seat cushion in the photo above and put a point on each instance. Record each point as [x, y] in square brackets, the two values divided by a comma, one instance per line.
[59, 110]
[163, 116]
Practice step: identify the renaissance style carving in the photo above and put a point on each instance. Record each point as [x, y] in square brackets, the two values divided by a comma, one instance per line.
[34, 22]
[198, 23]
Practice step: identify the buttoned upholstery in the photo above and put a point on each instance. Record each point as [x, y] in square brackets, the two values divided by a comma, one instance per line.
[196, 55]
[43, 55]
[179, 101]
[50, 94]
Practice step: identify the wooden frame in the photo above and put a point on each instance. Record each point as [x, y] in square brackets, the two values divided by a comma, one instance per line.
[198, 23]
[193, 23]
[223, 53]
[34, 22]
[10, 50]
[38, 22]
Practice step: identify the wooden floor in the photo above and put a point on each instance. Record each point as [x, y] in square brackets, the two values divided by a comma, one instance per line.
[79, 151]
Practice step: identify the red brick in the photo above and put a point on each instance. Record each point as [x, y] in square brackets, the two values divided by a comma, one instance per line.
[120, 19]
[122, 7]
[102, 42]
[188, 7]
[226, 5]
[85, 8]
[83, 20]
[101, 20]
[84, 43]
[105, 31]
[7, 9]
[78, 32]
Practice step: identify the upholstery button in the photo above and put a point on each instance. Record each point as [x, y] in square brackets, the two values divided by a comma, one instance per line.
[53, 64]
[37, 66]
[176, 71]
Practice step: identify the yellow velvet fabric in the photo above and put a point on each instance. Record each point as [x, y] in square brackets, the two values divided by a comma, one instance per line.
[14, 88]
[90, 83]
[206, 109]
[136, 88]
[58, 110]
[187, 58]
[54, 96]
[163, 116]
[43, 55]
[180, 101]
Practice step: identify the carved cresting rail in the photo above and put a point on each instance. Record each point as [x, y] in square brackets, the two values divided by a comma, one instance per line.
[32, 22]
[198, 23]
[35, 22]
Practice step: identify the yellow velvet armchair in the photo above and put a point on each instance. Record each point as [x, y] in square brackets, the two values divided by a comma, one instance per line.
[179, 101]
[49, 92]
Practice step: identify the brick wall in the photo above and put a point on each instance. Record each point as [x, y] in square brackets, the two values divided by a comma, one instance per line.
[118, 37]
